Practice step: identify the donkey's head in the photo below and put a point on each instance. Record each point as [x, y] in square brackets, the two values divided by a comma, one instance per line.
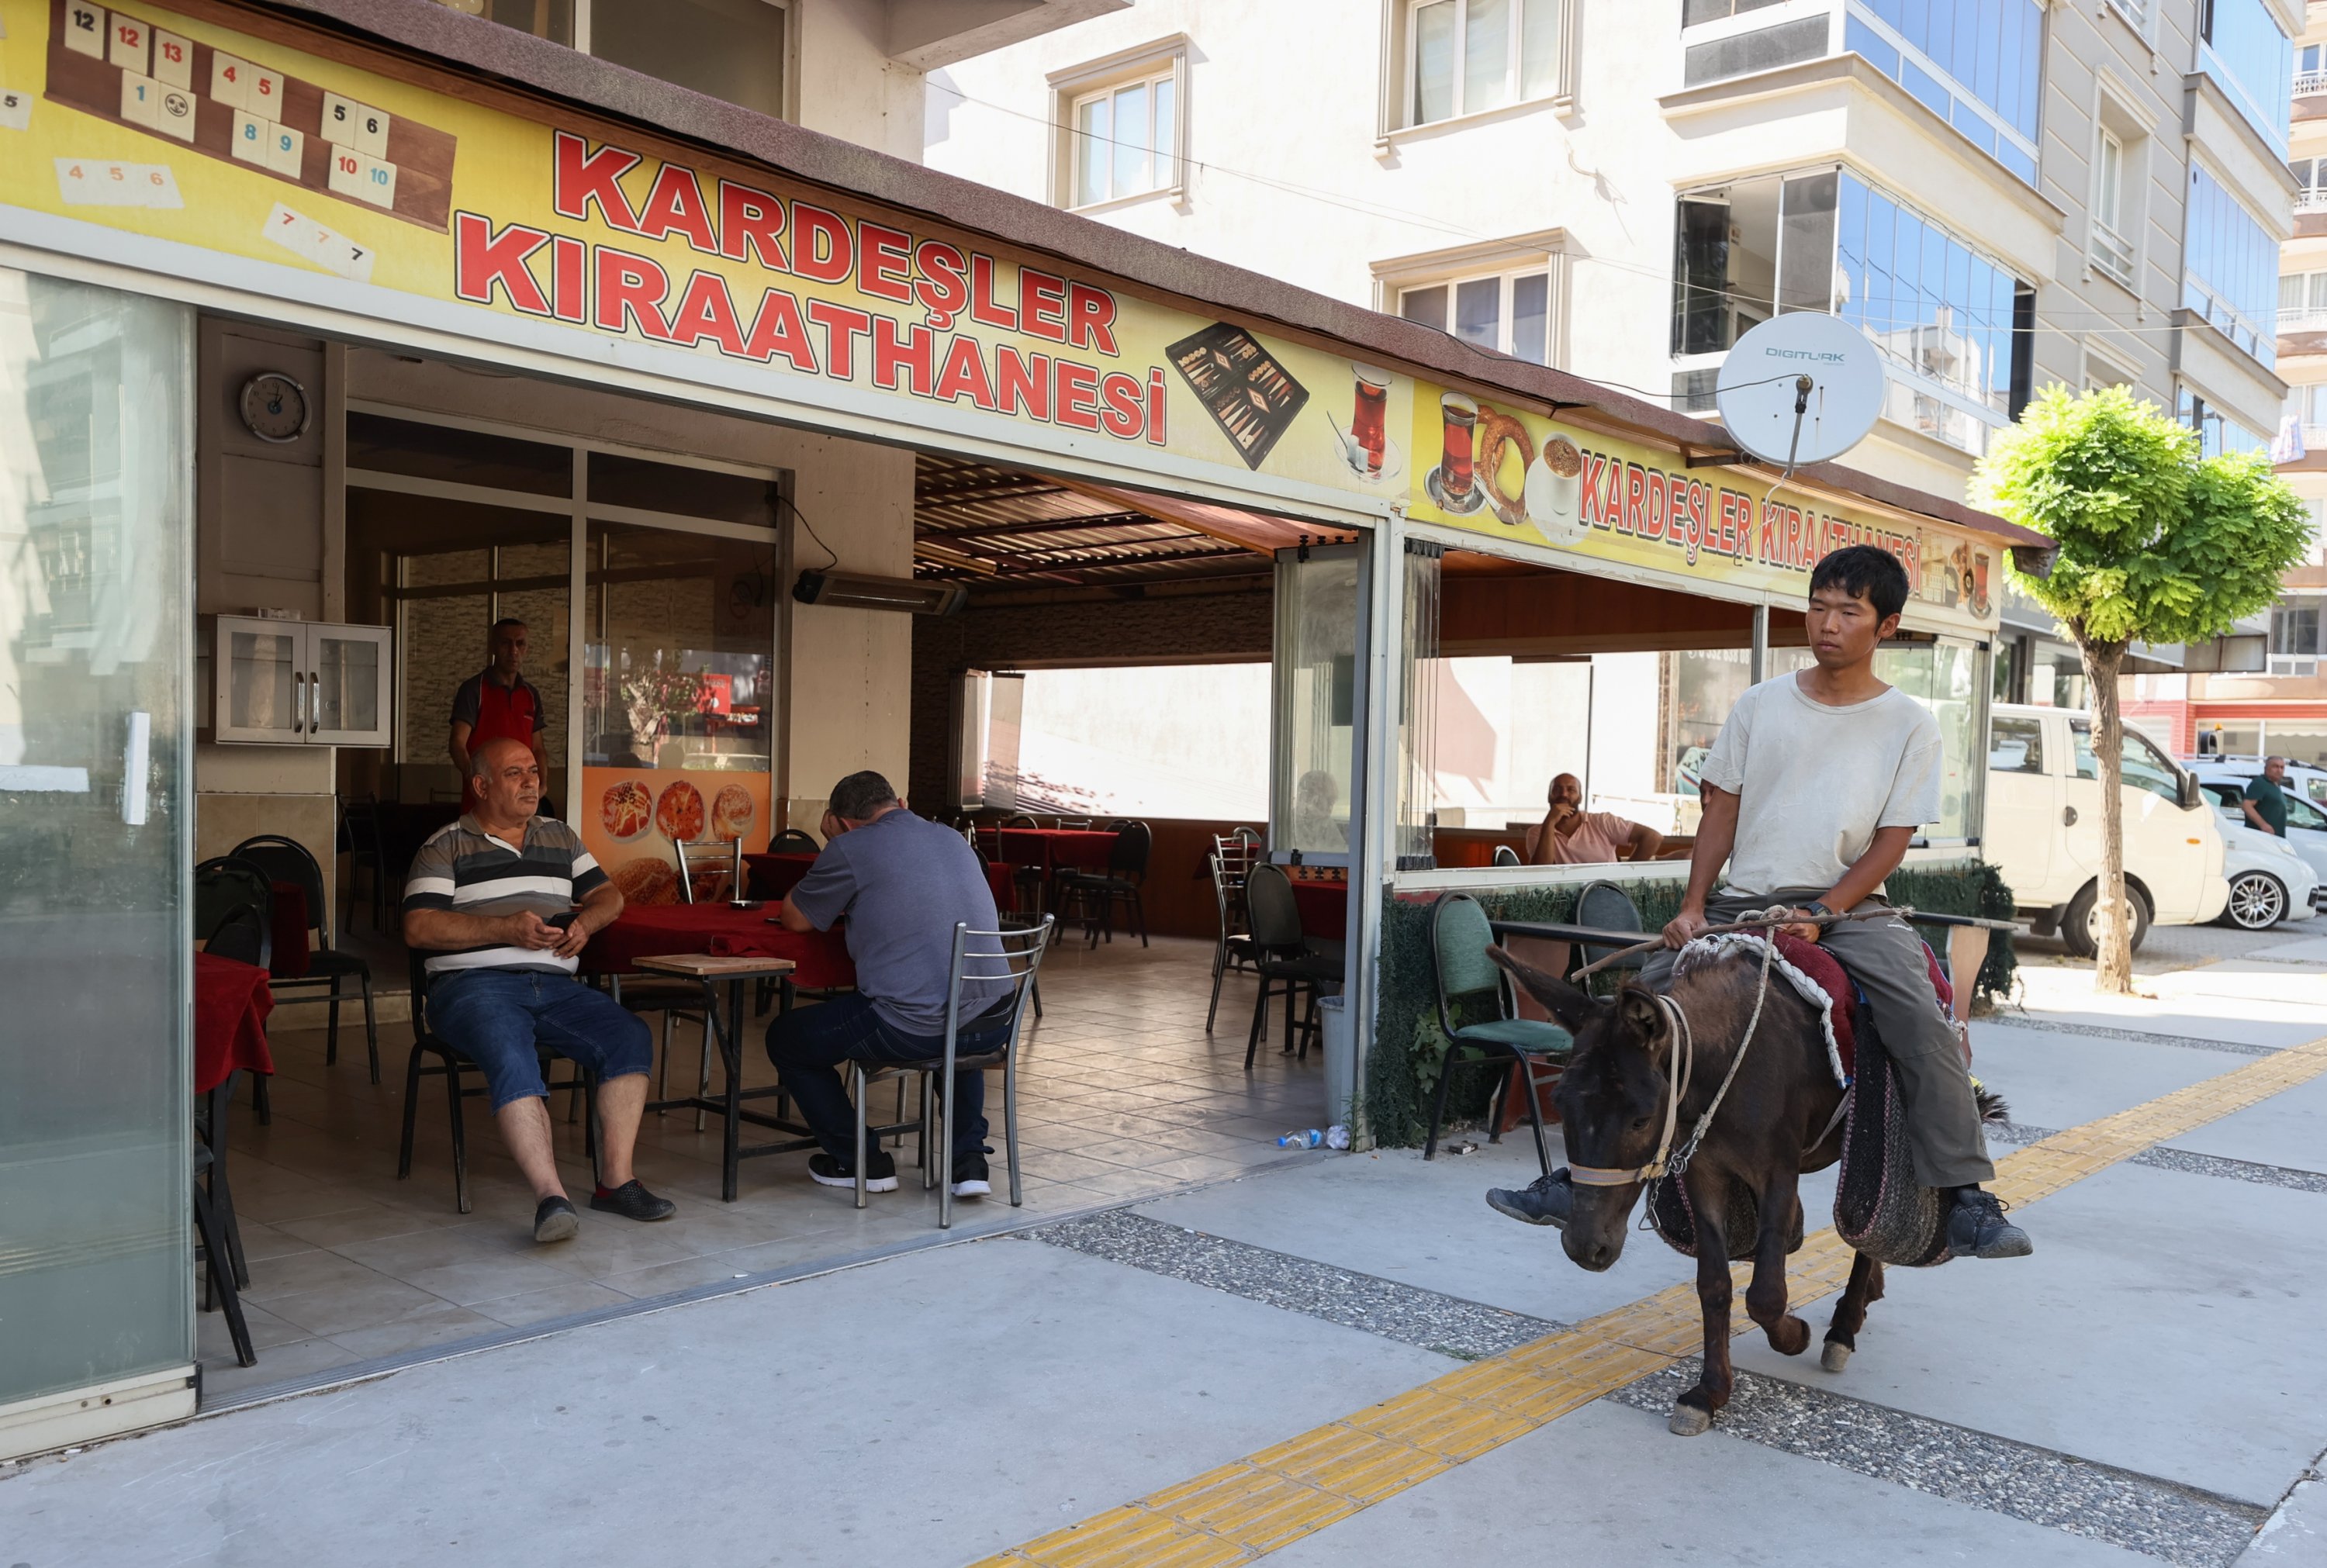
[1611, 1099]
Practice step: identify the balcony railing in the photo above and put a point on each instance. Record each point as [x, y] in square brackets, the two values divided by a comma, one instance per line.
[2112, 253]
[2307, 82]
[2302, 319]
[2311, 200]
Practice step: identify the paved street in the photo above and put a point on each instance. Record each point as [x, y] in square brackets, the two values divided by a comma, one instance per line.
[1350, 1354]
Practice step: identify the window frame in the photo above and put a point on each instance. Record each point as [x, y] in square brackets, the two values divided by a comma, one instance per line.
[1409, 85]
[1079, 83]
[1515, 257]
[1507, 278]
[1079, 144]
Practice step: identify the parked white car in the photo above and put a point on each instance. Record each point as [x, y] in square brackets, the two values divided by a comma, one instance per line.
[2043, 828]
[2306, 824]
[2268, 881]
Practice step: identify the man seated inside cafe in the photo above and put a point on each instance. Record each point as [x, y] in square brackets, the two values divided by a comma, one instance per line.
[1570, 835]
[903, 882]
[493, 899]
[498, 701]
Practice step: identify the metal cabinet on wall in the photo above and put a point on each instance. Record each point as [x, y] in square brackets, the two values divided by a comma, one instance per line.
[292, 683]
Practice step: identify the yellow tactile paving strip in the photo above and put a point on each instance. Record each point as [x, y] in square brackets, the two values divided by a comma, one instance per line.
[1244, 1510]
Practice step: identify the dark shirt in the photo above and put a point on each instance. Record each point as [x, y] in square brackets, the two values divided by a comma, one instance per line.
[2270, 800]
[493, 711]
[904, 882]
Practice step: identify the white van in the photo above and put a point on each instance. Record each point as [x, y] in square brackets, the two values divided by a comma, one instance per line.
[2043, 827]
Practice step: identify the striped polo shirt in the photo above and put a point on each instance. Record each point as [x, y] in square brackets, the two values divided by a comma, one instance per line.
[467, 870]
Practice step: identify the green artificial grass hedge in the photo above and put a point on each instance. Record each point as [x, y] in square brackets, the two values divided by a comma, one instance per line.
[1401, 1074]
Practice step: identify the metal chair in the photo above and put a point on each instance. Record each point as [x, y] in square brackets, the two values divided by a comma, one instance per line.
[452, 1062]
[218, 1256]
[1073, 825]
[1460, 935]
[1609, 908]
[724, 856]
[794, 841]
[361, 840]
[1234, 945]
[1095, 894]
[1020, 819]
[1506, 856]
[1287, 964]
[1015, 958]
[287, 860]
[234, 913]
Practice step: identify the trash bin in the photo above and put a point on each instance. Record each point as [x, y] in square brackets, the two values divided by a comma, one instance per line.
[1341, 1060]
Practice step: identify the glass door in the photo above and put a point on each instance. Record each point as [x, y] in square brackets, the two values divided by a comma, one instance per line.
[347, 699]
[1320, 600]
[265, 691]
[95, 844]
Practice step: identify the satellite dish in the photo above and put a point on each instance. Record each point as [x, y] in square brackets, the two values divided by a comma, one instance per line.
[1762, 386]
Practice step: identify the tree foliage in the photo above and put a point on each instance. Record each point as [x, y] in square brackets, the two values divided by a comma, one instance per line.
[2156, 544]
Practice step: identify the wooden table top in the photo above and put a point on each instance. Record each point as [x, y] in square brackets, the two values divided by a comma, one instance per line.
[712, 966]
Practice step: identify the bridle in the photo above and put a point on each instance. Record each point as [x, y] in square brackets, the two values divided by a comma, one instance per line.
[1666, 1162]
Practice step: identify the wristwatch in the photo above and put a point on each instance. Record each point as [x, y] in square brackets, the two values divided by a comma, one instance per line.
[1816, 907]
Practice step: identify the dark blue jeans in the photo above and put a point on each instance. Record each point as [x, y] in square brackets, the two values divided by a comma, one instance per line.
[808, 1044]
[496, 1017]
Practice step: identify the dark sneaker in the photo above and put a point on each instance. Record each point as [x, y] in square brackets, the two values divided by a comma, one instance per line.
[631, 1200]
[1546, 1201]
[971, 1179]
[1977, 1228]
[879, 1171]
[553, 1220]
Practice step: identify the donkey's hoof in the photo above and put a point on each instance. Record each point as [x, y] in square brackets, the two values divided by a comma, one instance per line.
[1688, 1421]
[1835, 1357]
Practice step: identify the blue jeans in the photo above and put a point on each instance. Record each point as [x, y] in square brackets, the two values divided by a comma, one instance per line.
[808, 1044]
[496, 1018]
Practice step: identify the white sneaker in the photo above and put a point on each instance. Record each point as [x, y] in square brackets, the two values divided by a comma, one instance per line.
[973, 1182]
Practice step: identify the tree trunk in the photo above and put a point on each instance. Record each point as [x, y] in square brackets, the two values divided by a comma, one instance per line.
[2113, 965]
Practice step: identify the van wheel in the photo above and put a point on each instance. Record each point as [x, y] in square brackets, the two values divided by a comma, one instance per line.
[2257, 902]
[2080, 923]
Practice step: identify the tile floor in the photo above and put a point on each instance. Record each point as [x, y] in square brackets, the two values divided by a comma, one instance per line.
[1122, 1095]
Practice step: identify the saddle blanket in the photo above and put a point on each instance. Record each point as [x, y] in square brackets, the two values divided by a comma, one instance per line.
[1817, 977]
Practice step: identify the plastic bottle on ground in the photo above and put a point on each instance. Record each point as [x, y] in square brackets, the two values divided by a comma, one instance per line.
[1310, 1139]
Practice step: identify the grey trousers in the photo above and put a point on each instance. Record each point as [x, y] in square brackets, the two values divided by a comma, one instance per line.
[1885, 958]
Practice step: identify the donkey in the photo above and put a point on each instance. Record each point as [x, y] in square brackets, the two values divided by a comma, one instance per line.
[1779, 1120]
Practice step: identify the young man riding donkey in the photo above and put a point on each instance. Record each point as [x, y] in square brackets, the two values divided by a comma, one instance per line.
[1811, 793]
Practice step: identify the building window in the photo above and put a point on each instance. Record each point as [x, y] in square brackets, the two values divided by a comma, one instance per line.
[2303, 301]
[1127, 138]
[2111, 251]
[2229, 263]
[1946, 316]
[2310, 184]
[1977, 64]
[1507, 311]
[2218, 433]
[730, 50]
[2311, 69]
[1470, 56]
[2242, 48]
[2294, 638]
[1722, 52]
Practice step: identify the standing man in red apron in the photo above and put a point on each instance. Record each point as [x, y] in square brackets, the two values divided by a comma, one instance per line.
[497, 701]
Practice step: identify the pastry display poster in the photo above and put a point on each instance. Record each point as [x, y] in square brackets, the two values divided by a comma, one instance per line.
[172, 125]
[629, 817]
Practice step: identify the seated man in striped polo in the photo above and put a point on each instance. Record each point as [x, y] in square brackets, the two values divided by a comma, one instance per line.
[492, 897]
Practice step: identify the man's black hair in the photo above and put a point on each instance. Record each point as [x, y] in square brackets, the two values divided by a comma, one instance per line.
[1865, 572]
[857, 796]
[505, 621]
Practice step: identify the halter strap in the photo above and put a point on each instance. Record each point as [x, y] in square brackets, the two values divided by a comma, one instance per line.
[1677, 1084]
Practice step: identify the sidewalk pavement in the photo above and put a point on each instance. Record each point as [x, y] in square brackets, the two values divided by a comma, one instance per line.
[2144, 1388]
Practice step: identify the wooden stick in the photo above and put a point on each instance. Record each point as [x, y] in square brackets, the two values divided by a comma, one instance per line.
[1758, 923]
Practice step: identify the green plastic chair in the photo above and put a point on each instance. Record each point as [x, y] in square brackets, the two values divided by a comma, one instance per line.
[1459, 936]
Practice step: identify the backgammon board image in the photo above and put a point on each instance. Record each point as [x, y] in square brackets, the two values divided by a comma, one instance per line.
[118, 66]
[1242, 386]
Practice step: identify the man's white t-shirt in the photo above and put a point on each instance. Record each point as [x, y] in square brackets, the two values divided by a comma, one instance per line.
[1815, 782]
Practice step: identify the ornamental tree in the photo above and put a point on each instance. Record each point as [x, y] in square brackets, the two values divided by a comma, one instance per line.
[2156, 544]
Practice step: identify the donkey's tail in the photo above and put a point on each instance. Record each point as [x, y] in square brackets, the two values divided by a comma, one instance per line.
[1993, 1107]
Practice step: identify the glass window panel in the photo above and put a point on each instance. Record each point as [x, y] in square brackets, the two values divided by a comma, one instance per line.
[1906, 276]
[2253, 60]
[1963, 54]
[1167, 131]
[1314, 689]
[678, 647]
[1764, 50]
[732, 50]
[1860, 39]
[1479, 312]
[2015, 745]
[95, 527]
[1486, 54]
[1972, 126]
[1925, 87]
[1850, 252]
[1988, 50]
[380, 445]
[617, 481]
[1700, 274]
[1540, 43]
[1131, 139]
[1934, 281]
[2008, 46]
[2319, 291]
[1092, 122]
[2032, 54]
[1434, 61]
[1531, 317]
[1806, 244]
[1426, 305]
[550, 19]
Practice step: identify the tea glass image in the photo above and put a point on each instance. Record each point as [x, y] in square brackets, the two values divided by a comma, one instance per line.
[1367, 424]
[1554, 492]
[1462, 417]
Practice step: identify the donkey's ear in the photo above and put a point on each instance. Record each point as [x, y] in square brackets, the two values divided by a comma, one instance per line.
[1643, 1020]
[1565, 1003]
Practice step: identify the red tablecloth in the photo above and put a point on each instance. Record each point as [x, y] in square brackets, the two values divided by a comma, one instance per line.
[774, 876]
[1055, 849]
[652, 930]
[288, 955]
[1324, 909]
[231, 1002]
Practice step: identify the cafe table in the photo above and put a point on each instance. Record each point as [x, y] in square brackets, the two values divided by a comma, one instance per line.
[1051, 849]
[774, 875]
[719, 946]
[1324, 909]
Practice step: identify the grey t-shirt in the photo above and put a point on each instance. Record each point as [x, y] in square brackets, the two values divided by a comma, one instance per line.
[1815, 782]
[904, 882]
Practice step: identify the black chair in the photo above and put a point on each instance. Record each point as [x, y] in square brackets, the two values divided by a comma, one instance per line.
[1019, 820]
[1506, 856]
[234, 914]
[288, 860]
[1287, 962]
[1095, 894]
[218, 1259]
[794, 841]
[451, 1063]
[1460, 935]
[1608, 907]
[361, 842]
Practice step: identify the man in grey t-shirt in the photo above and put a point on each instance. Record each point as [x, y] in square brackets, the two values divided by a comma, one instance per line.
[903, 882]
[1812, 792]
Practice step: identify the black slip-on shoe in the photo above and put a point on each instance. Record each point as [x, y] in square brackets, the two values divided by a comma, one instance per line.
[1546, 1201]
[631, 1200]
[553, 1220]
[1977, 1228]
[879, 1171]
[971, 1179]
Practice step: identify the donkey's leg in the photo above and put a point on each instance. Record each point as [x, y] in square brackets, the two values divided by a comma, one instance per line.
[1765, 1297]
[1865, 1288]
[1693, 1412]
